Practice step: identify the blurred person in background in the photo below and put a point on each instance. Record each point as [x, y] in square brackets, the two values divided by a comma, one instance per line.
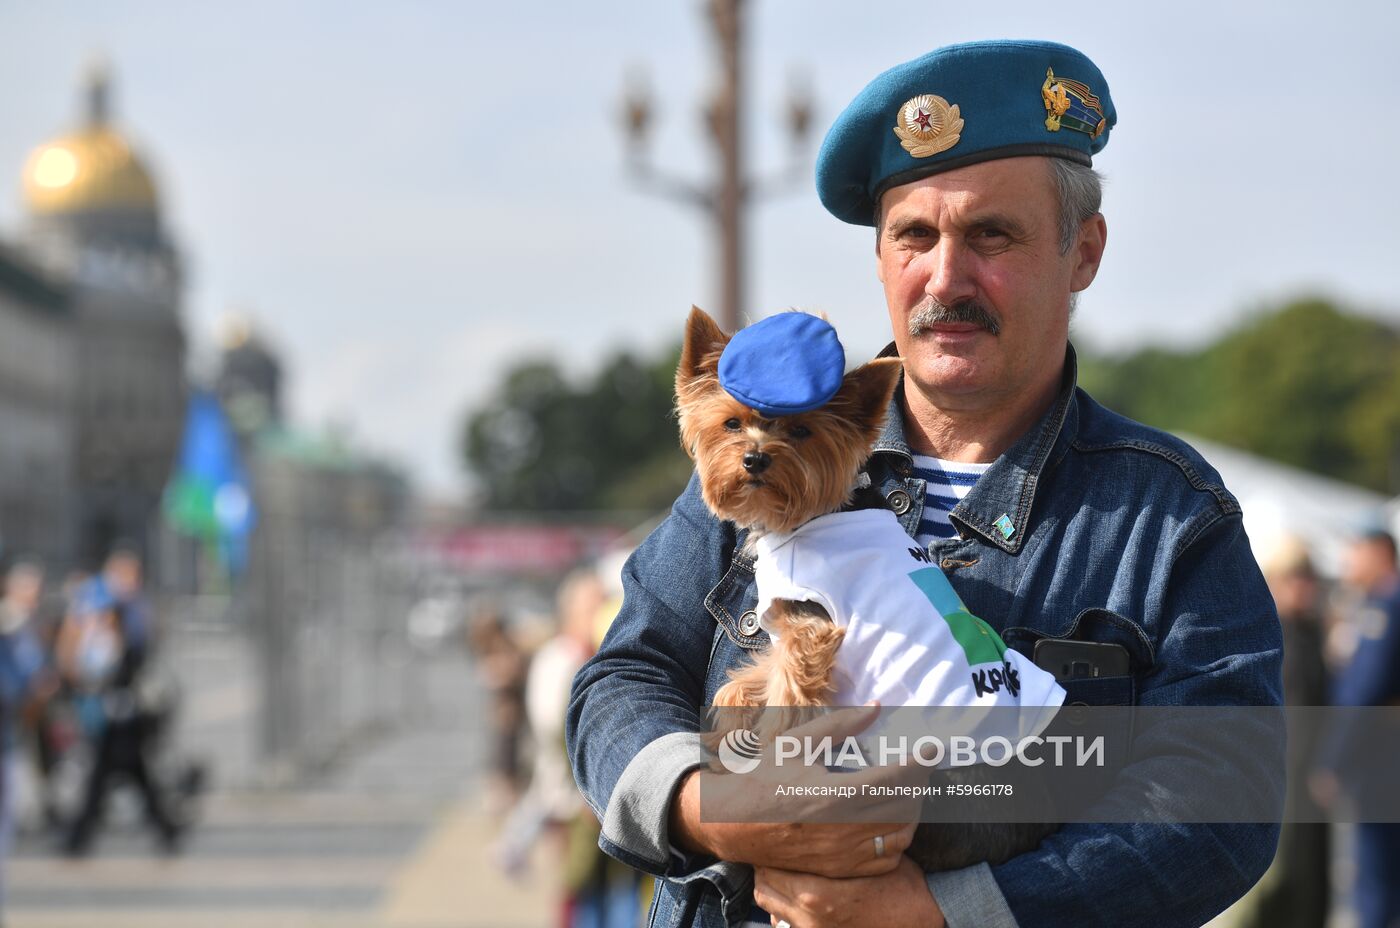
[101, 656]
[552, 798]
[502, 665]
[598, 891]
[58, 733]
[1370, 678]
[1298, 594]
[25, 684]
[122, 580]
[1295, 891]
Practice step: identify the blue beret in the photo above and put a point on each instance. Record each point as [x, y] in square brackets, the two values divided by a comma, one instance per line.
[783, 365]
[959, 105]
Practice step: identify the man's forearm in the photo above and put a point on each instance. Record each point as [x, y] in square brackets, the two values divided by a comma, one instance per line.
[636, 820]
[688, 832]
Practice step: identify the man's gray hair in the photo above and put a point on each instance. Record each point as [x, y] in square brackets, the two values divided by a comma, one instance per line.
[1079, 189]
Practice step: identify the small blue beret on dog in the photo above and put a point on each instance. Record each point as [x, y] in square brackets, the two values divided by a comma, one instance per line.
[960, 105]
[785, 364]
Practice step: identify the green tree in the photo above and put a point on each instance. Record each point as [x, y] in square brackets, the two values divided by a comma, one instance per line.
[1307, 384]
[545, 444]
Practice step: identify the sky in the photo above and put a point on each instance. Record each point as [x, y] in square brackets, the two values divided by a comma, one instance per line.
[408, 198]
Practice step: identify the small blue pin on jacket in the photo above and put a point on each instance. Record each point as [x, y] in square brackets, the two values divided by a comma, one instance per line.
[783, 365]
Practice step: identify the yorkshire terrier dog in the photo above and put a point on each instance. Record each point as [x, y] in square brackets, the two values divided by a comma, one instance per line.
[773, 475]
[770, 474]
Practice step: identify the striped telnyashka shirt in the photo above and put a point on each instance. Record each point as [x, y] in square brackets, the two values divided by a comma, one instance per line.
[945, 484]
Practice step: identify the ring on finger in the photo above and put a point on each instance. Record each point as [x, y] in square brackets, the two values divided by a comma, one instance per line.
[879, 845]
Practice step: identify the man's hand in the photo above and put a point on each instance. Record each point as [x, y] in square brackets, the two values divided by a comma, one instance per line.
[829, 849]
[891, 900]
[837, 850]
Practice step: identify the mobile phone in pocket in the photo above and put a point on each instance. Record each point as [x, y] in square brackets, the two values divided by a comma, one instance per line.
[1080, 660]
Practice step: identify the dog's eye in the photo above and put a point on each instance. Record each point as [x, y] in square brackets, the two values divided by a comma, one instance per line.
[732, 424]
[800, 431]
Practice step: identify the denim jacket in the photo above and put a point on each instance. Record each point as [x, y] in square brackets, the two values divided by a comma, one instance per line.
[1091, 527]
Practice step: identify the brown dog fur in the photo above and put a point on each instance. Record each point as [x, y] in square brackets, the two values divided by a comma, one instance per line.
[815, 459]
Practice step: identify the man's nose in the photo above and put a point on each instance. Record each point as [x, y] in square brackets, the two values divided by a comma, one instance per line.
[756, 462]
[950, 273]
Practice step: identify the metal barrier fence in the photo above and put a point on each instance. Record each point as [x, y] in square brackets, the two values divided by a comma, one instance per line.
[325, 615]
[307, 655]
[336, 629]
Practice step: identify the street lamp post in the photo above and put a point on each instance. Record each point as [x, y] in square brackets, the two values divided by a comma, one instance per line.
[726, 198]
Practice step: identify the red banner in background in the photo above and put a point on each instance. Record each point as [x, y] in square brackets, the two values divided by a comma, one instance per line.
[518, 548]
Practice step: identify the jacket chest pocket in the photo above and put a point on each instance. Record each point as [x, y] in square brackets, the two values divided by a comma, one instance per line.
[1100, 687]
[1097, 626]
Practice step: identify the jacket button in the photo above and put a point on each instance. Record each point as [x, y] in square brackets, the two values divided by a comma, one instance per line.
[899, 501]
[748, 622]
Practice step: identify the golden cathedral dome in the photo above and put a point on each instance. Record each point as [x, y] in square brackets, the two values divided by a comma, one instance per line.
[91, 169]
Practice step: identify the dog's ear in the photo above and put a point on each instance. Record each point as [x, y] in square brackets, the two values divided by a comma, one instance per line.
[697, 374]
[865, 392]
[700, 353]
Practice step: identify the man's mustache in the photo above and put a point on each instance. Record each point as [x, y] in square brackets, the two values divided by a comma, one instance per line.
[930, 312]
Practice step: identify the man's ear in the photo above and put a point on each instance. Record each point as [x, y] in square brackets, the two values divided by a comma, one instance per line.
[865, 392]
[1088, 252]
[704, 342]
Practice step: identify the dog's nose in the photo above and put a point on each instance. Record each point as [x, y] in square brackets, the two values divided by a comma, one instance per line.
[756, 462]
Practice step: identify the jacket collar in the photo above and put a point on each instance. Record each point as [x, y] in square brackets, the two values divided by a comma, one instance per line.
[998, 507]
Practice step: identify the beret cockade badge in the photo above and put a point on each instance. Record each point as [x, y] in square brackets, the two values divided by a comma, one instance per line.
[928, 125]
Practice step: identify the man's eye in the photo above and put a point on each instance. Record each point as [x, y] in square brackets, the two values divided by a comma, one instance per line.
[992, 233]
[732, 424]
[800, 431]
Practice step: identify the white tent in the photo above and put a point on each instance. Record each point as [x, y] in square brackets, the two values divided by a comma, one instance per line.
[1280, 500]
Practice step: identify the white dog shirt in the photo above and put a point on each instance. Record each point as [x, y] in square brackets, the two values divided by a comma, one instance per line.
[909, 641]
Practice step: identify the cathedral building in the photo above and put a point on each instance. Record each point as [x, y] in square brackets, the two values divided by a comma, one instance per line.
[38, 389]
[93, 381]
[94, 226]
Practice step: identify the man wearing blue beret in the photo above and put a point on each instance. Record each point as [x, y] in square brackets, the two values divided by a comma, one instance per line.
[1053, 518]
